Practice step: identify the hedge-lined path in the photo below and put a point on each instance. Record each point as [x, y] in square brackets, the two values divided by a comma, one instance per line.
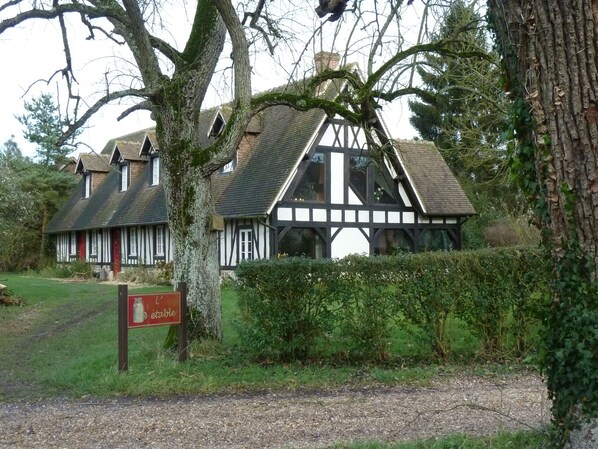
[469, 405]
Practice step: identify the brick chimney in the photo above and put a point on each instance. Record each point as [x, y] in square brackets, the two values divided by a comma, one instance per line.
[326, 60]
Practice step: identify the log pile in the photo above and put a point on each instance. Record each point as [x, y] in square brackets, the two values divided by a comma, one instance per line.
[6, 299]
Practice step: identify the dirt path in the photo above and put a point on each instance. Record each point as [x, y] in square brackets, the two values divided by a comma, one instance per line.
[280, 420]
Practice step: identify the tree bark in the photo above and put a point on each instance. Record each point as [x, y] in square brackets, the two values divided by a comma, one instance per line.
[550, 50]
[187, 184]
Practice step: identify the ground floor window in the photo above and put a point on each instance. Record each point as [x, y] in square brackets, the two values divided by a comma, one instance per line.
[159, 241]
[133, 242]
[73, 243]
[305, 242]
[93, 243]
[245, 244]
[436, 240]
[389, 242]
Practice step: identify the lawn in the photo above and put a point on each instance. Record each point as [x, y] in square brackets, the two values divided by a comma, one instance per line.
[63, 342]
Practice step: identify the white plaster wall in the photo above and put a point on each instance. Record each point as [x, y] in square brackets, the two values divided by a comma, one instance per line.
[349, 241]
[337, 181]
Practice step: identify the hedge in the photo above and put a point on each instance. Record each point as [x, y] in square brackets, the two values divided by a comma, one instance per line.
[298, 308]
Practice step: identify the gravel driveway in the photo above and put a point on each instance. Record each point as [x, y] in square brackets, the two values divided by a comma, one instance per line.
[280, 420]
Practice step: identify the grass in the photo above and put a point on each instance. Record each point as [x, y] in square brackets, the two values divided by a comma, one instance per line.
[63, 341]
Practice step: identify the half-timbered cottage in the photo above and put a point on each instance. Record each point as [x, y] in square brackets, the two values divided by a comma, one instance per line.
[301, 183]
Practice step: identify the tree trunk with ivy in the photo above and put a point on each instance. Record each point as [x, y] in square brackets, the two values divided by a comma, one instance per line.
[550, 51]
[189, 166]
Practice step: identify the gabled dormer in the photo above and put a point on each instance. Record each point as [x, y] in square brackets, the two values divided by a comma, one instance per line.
[126, 157]
[93, 168]
[218, 123]
[149, 150]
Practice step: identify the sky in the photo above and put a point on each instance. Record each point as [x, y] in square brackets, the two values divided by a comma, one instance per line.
[32, 53]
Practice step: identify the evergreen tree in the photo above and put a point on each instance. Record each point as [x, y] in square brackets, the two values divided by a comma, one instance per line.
[463, 110]
[44, 127]
[463, 107]
[18, 236]
[42, 187]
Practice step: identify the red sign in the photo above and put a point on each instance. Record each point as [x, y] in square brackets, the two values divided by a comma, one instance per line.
[154, 309]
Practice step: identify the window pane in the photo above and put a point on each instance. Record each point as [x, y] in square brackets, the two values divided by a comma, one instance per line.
[382, 191]
[132, 242]
[393, 241]
[155, 171]
[436, 240]
[358, 166]
[246, 248]
[124, 177]
[311, 186]
[160, 241]
[302, 242]
[87, 185]
[93, 250]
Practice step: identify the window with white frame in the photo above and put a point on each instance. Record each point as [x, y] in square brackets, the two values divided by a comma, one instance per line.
[124, 177]
[155, 167]
[87, 177]
[133, 242]
[159, 241]
[73, 243]
[230, 166]
[245, 244]
[93, 243]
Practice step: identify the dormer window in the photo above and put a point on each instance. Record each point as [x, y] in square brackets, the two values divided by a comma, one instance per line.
[217, 126]
[155, 170]
[124, 177]
[230, 166]
[87, 188]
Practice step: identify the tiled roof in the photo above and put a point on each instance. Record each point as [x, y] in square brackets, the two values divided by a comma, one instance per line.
[129, 150]
[253, 187]
[93, 162]
[435, 186]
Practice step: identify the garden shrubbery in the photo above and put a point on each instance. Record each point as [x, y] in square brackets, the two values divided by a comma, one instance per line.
[304, 309]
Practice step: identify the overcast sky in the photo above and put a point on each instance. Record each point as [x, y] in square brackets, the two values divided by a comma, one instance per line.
[34, 52]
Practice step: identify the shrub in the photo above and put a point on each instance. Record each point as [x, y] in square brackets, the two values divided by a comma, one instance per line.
[285, 307]
[296, 308]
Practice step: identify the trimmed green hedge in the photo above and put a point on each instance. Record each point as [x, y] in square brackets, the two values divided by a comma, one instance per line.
[298, 309]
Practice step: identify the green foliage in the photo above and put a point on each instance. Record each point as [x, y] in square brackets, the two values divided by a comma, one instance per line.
[284, 307]
[463, 106]
[31, 192]
[44, 127]
[294, 309]
[366, 308]
[572, 333]
[76, 269]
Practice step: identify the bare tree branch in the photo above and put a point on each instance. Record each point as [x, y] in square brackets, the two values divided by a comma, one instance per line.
[9, 4]
[144, 105]
[93, 12]
[255, 16]
[142, 93]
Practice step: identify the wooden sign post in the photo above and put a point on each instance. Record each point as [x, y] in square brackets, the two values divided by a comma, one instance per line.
[148, 310]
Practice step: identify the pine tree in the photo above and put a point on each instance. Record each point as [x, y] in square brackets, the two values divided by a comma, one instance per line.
[463, 107]
[44, 127]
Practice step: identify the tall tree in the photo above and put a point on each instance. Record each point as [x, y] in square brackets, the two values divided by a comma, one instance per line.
[173, 85]
[549, 50]
[463, 107]
[44, 127]
[18, 238]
